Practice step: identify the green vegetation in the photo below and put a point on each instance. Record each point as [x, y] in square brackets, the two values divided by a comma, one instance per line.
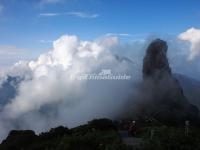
[102, 134]
[172, 138]
[98, 134]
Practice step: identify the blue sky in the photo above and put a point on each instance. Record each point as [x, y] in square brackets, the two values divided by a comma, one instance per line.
[30, 25]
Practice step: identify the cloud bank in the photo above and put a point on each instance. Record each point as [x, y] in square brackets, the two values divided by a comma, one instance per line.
[192, 35]
[48, 96]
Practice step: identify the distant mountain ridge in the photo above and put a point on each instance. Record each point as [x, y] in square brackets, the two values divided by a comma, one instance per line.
[191, 88]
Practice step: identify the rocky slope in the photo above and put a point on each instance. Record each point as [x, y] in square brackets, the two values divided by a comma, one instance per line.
[161, 95]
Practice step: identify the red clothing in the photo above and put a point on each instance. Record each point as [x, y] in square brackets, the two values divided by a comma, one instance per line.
[132, 129]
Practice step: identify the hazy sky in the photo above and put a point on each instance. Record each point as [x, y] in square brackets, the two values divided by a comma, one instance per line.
[28, 27]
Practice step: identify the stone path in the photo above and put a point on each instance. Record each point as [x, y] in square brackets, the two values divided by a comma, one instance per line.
[131, 141]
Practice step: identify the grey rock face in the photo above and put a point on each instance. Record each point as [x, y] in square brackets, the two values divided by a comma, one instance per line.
[161, 95]
[155, 63]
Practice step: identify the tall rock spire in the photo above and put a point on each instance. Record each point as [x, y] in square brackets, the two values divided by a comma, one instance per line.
[162, 96]
[155, 63]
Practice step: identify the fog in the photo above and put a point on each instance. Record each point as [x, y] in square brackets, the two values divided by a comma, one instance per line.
[51, 93]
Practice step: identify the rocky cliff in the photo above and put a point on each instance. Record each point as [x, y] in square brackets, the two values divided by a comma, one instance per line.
[161, 95]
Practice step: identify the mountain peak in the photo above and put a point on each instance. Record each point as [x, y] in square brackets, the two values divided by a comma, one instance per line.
[163, 98]
[155, 63]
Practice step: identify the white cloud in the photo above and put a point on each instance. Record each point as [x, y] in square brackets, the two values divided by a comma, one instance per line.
[50, 1]
[74, 101]
[119, 34]
[83, 14]
[129, 37]
[49, 14]
[76, 14]
[192, 35]
[49, 97]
